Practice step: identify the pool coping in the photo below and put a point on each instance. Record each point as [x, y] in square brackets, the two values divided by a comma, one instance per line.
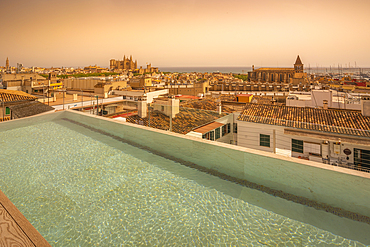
[20, 228]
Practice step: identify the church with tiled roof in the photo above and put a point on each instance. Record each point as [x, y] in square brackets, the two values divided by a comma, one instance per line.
[281, 75]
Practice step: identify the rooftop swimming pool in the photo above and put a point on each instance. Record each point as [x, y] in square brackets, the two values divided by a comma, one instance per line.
[79, 186]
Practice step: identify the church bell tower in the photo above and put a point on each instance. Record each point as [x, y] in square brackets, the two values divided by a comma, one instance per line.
[298, 66]
[7, 64]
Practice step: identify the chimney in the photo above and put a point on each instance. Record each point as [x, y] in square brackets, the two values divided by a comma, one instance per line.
[365, 106]
[325, 104]
[219, 108]
[174, 106]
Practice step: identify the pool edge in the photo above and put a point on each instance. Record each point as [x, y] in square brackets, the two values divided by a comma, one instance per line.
[21, 221]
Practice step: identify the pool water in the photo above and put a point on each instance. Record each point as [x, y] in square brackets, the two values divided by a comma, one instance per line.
[79, 188]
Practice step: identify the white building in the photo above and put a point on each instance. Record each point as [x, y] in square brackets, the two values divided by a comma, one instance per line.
[338, 137]
[324, 99]
[220, 130]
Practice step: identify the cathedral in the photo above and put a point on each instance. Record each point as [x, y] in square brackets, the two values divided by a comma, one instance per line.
[282, 75]
[125, 64]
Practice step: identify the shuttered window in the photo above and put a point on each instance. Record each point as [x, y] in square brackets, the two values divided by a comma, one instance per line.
[297, 146]
[264, 140]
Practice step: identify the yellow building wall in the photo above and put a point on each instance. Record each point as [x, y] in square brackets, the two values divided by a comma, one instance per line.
[245, 99]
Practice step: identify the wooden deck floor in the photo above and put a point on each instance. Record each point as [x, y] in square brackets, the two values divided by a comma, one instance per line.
[15, 229]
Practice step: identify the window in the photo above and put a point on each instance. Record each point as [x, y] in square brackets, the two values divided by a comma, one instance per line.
[7, 111]
[162, 108]
[228, 128]
[362, 158]
[224, 130]
[264, 140]
[212, 133]
[217, 133]
[297, 146]
[205, 136]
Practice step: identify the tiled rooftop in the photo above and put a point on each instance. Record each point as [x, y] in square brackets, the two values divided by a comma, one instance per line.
[205, 104]
[185, 121]
[27, 109]
[13, 95]
[334, 121]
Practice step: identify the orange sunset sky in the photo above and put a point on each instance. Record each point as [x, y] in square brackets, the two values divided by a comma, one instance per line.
[185, 33]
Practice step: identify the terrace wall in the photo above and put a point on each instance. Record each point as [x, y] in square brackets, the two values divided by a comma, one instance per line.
[334, 186]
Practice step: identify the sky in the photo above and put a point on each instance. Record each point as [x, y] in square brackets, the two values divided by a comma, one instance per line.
[264, 33]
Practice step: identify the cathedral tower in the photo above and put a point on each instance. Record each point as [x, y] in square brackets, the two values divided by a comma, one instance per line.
[7, 64]
[298, 66]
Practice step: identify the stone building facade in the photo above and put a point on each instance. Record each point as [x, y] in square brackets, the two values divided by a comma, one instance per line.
[282, 75]
[125, 64]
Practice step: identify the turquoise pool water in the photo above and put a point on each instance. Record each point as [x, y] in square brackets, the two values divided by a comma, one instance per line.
[82, 188]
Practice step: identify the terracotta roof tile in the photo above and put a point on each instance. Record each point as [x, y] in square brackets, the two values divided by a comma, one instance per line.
[205, 104]
[334, 121]
[185, 121]
[30, 108]
[13, 95]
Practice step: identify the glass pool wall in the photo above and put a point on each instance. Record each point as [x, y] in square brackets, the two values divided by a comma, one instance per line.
[349, 190]
[294, 178]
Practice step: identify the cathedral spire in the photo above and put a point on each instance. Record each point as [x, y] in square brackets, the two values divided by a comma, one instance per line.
[298, 66]
[298, 61]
